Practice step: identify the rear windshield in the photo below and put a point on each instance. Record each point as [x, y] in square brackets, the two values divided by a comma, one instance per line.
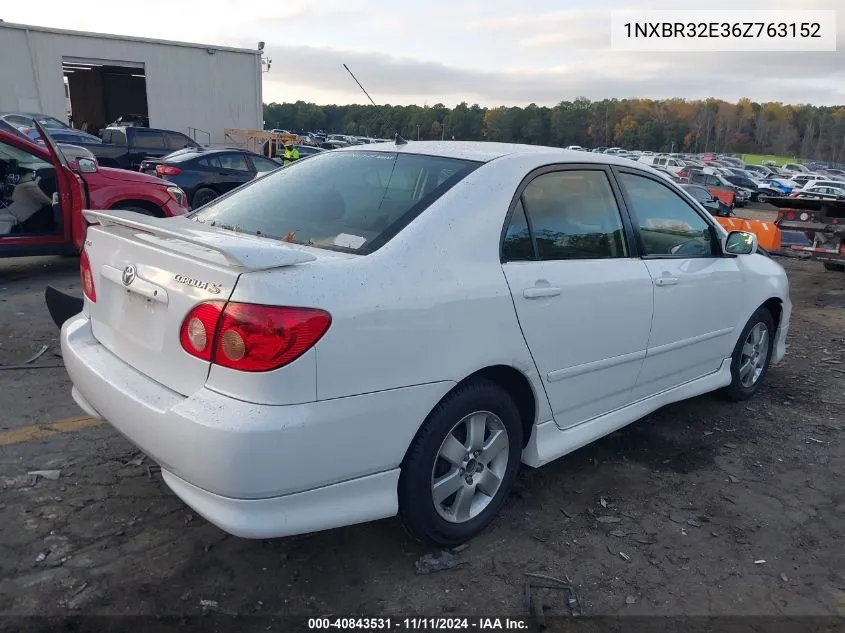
[348, 201]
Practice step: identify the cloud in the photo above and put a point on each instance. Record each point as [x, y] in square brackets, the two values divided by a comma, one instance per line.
[796, 78]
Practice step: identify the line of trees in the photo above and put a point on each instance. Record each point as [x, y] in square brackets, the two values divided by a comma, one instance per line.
[678, 125]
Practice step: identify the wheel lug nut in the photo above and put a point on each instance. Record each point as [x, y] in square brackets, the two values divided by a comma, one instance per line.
[469, 479]
[478, 468]
[476, 453]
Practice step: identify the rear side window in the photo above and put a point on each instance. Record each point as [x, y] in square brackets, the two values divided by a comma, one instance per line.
[149, 139]
[573, 215]
[348, 201]
[211, 162]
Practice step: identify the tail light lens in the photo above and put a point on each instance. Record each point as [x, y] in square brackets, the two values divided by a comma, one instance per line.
[250, 337]
[167, 170]
[87, 276]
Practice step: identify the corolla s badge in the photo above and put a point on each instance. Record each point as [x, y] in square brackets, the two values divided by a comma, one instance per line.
[197, 283]
[128, 275]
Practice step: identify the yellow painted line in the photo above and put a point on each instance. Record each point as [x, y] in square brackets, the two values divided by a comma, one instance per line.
[39, 431]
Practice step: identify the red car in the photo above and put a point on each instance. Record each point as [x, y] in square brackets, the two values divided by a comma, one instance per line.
[42, 196]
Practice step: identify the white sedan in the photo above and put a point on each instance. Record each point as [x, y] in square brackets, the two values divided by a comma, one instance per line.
[393, 330]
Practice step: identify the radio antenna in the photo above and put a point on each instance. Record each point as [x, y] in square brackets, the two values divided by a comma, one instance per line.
[398, 138]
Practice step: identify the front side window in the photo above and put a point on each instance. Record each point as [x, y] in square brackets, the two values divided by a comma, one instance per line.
[573, 215]
[669, 226]
[702, 195]
[263, 165]
[177, 141]
[348, 201]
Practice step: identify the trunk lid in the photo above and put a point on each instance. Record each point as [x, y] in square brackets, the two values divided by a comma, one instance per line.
[150, 272]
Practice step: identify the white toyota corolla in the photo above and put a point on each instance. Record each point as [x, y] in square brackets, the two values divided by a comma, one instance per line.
[395, 329]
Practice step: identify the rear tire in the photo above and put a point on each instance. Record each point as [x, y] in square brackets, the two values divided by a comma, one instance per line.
[840, 268]
[203, 196]
[752, 356]
[461, 465]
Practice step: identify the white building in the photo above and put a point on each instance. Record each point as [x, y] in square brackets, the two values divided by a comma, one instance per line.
[195, 89]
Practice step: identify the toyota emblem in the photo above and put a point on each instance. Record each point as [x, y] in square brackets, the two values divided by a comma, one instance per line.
[128, 275]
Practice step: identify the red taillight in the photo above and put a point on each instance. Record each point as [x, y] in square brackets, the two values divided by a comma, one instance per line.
[167, 170]
[250, 337]
[198, 328]
[790, 215]
[87, 276]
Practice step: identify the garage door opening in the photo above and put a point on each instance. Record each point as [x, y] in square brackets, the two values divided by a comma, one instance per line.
[102, 91]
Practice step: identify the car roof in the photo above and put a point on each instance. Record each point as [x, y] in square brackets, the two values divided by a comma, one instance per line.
[485, 151]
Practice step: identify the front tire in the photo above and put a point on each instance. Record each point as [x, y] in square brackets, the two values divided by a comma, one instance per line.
[834, 266]
[461, 465]
[752, 356]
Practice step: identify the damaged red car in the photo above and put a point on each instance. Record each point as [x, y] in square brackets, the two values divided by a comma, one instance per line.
[42, 195]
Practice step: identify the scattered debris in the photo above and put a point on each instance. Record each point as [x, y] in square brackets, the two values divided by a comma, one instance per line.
[542, 581]
[603, 502]
[52, 475]
[693, 523]
[624, 556]
[706, 433]
[460, 548]
[40, 558]
[784, 578]
[210, 605]
[645, 540]
[430, 564]
[630, 600]
[618, 533]
[759, 562]
[733, 479]
[730, 445]
[812, 439]
[608, 519]
[566, 514]
[137, 461]
[37, 355]
[82, 588]
[539, 539]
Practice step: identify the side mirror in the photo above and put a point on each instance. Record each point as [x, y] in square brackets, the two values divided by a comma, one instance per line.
[86, 166]
[740, 243]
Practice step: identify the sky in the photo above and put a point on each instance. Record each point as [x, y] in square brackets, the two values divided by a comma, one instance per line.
[490, 52]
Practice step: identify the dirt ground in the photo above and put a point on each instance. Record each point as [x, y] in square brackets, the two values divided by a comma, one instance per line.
[703, 508]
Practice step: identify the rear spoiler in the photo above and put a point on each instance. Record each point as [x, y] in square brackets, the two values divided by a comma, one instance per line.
[240, 249]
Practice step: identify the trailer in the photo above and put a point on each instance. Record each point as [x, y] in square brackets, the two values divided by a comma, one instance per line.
[819, 226]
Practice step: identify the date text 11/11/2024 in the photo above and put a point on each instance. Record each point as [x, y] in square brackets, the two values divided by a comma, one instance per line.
[417, 624]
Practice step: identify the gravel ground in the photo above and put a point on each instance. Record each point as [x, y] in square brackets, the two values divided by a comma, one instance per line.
[703, 508]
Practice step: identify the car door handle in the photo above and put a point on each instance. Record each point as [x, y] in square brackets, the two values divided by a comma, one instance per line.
[666, 281]
[539, 292]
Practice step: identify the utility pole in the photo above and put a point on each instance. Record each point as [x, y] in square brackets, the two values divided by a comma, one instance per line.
[418, 131]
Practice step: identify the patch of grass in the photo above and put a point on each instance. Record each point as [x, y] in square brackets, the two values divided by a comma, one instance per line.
[759, 159]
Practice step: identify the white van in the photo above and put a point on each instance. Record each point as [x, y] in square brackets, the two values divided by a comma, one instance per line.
[673, 165]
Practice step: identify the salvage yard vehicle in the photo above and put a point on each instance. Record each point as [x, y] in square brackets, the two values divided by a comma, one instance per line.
[206, 173]
[126, 146]
[42, 195]
[395, 329]
[821, 221]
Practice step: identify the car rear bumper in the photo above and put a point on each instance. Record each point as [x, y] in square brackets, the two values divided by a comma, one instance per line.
[256, 471]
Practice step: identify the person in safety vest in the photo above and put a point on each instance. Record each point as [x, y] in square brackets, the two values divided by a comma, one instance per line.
[291, 154]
